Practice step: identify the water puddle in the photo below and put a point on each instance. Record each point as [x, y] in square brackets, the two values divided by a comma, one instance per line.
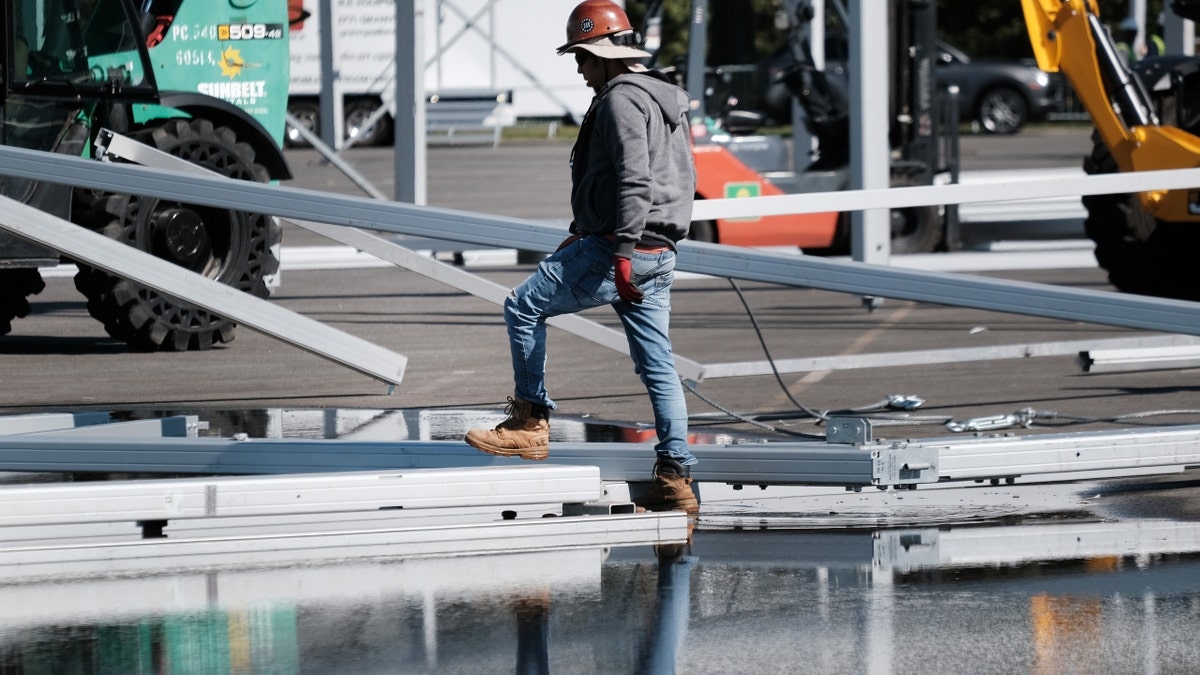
[849, 588]
[728, 602]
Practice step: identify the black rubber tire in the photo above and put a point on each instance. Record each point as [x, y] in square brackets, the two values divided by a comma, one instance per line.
[357, 113]
[1002, 110]
[1141, 254]
[16, 285]
[232, 247]
[308, 113]
[915, 229]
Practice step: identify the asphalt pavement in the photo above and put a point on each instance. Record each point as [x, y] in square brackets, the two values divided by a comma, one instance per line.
[59, 359]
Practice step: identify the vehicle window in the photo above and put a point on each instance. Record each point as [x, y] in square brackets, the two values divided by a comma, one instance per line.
[49, 40]
[85, 43]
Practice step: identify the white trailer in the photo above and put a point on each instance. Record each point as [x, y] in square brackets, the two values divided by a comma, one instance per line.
[473, 49]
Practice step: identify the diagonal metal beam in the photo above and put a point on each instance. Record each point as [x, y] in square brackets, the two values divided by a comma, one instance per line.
[125, 261]
[944, 288]
[396, 254]
[481, 288]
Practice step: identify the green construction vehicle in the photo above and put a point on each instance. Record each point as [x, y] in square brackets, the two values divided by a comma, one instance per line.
[205, 80]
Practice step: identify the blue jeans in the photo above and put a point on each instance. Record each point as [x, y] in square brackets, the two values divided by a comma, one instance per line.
[578, 277]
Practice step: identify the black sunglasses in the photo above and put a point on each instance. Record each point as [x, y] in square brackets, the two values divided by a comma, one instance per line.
[581, 57]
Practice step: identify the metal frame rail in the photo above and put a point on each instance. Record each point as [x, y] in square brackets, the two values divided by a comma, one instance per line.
[493, 487]
[858, 462]
[406, 536]
[122, 260]
[133, 526]
[392, 252]
[1104, 308]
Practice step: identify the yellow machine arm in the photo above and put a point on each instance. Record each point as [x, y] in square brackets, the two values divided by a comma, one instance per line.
[1067, 37]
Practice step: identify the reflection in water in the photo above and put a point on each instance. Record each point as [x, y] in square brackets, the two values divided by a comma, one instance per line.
[730, 602]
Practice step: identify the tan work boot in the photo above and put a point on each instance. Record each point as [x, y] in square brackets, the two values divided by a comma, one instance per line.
[671, 489]
[525, 434]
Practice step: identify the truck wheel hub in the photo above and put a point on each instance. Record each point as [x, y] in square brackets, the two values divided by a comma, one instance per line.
[181, 233]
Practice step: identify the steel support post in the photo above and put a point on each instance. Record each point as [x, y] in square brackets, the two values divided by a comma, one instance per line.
[869, 146]
[409, 92]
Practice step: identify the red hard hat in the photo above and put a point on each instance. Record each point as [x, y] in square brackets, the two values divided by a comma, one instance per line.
[592, 19]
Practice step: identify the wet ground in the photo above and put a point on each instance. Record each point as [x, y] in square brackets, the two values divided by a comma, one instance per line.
[1097, 576]
[734, 600]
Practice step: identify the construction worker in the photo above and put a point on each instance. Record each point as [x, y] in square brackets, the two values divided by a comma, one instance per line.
[1128, 47]
[632, 186]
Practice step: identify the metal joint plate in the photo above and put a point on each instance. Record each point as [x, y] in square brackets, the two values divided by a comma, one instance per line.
[904, 465]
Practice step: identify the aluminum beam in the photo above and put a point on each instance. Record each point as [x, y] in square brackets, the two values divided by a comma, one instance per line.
[397, 254]
[68, 558]
[873, 463]
[177, 426]
[1120, 360]
[125, 261]
[783, 464]
[992, 457]
[126, 531]
[481, 288]
[1099, 354]
[1005, 190]
[41, 422]
[140, 500]
[1104, 308]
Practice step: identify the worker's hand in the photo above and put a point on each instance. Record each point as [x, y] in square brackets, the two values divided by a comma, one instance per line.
[567, 242]
[625, 288]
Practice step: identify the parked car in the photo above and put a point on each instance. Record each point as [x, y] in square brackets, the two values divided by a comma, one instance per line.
[996, 96]
[999, 96]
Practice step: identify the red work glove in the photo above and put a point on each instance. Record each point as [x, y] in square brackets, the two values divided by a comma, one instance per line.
[625, 288]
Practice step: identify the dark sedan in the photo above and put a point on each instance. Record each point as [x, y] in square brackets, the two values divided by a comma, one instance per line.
[999, 96]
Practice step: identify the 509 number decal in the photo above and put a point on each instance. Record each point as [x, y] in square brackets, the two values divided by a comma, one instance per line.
[250, 31]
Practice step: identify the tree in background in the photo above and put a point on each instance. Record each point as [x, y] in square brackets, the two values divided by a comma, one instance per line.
[747, 34]
[996, 28]
[985, 28]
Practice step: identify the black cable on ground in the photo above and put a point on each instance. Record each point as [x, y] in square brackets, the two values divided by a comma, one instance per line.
[748, 420]
[767, 352]
[808, 413]
[1026, 418]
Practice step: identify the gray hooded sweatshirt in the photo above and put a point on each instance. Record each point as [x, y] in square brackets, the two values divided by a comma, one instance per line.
[632, 174]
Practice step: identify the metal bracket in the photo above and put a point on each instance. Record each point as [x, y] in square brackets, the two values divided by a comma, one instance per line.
[849, 430]
[902, 465]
